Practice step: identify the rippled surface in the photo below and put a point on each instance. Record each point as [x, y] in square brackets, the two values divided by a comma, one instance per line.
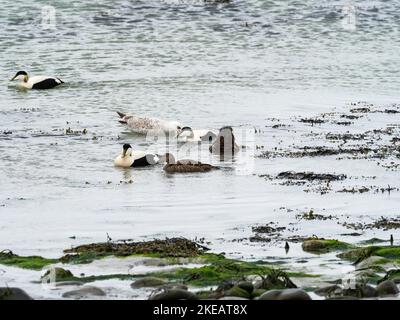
[204, 65]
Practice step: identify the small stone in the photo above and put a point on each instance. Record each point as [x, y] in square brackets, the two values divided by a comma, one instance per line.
[174, 294]
[85, 292]
[13, 294]
[387, 288]
[285, 294]
[147, 282]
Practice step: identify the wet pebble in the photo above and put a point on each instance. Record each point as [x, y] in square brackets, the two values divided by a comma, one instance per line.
[285, 294]
[85, 292]
[387, 288]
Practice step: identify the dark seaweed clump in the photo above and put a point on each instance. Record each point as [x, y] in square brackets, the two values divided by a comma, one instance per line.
[174, 247]
[310, 176]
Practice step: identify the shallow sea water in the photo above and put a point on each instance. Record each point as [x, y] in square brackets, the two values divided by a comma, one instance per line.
[196, 63]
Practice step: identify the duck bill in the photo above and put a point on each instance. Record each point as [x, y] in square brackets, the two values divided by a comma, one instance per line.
[123, 153]
[13, 78]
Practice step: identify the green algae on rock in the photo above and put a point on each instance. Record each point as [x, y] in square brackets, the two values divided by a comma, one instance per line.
[359, 254]
[8, 258]
[59, 274]
[324, 245]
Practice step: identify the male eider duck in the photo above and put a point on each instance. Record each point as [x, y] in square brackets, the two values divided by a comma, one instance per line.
[185, 166]
[187, 134]
[225, 143]
[129, 158]
[145, 125]
[37, 82]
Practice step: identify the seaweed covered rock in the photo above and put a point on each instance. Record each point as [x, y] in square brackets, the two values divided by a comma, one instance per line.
[246, 285]
[7, 257]
[147, 282]
[323, 245]
[393, 274]
[170, 247]
[285, 294]
[13, 294]
[360, 291]
[329, 291]
[275, 279]
[360, 254]
[57, 274]
[236, 291]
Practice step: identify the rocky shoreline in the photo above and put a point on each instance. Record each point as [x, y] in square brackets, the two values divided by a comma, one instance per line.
[214, 276]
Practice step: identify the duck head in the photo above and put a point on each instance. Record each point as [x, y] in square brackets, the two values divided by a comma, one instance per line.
[185, 132]
[126, 150]
[21, 75]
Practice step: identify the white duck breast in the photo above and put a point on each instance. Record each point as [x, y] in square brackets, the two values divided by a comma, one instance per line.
[146, 125]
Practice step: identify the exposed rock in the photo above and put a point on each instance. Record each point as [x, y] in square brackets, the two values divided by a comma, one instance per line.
[236, 291]
[232, 298]
[370, 262]
[147, 282]
[13, 294]
[258, 292]
[276, 279]
[360, 291]
[323, 245]
[170, 247]
[387, 288]
[286, 294]
[58, 274]
[329, 291]
[246, 285]
[393, 274]
[173, 294]
[84, 292]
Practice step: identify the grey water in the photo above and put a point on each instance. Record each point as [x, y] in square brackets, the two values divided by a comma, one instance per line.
[206, 65]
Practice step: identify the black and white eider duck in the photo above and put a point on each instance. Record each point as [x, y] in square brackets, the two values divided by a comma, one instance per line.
[187, 134]
[129, 158]
[185, 166]
[225, 143]
[37, 82]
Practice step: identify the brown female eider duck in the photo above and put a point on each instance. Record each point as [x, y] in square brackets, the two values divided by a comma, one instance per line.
[185, 166]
